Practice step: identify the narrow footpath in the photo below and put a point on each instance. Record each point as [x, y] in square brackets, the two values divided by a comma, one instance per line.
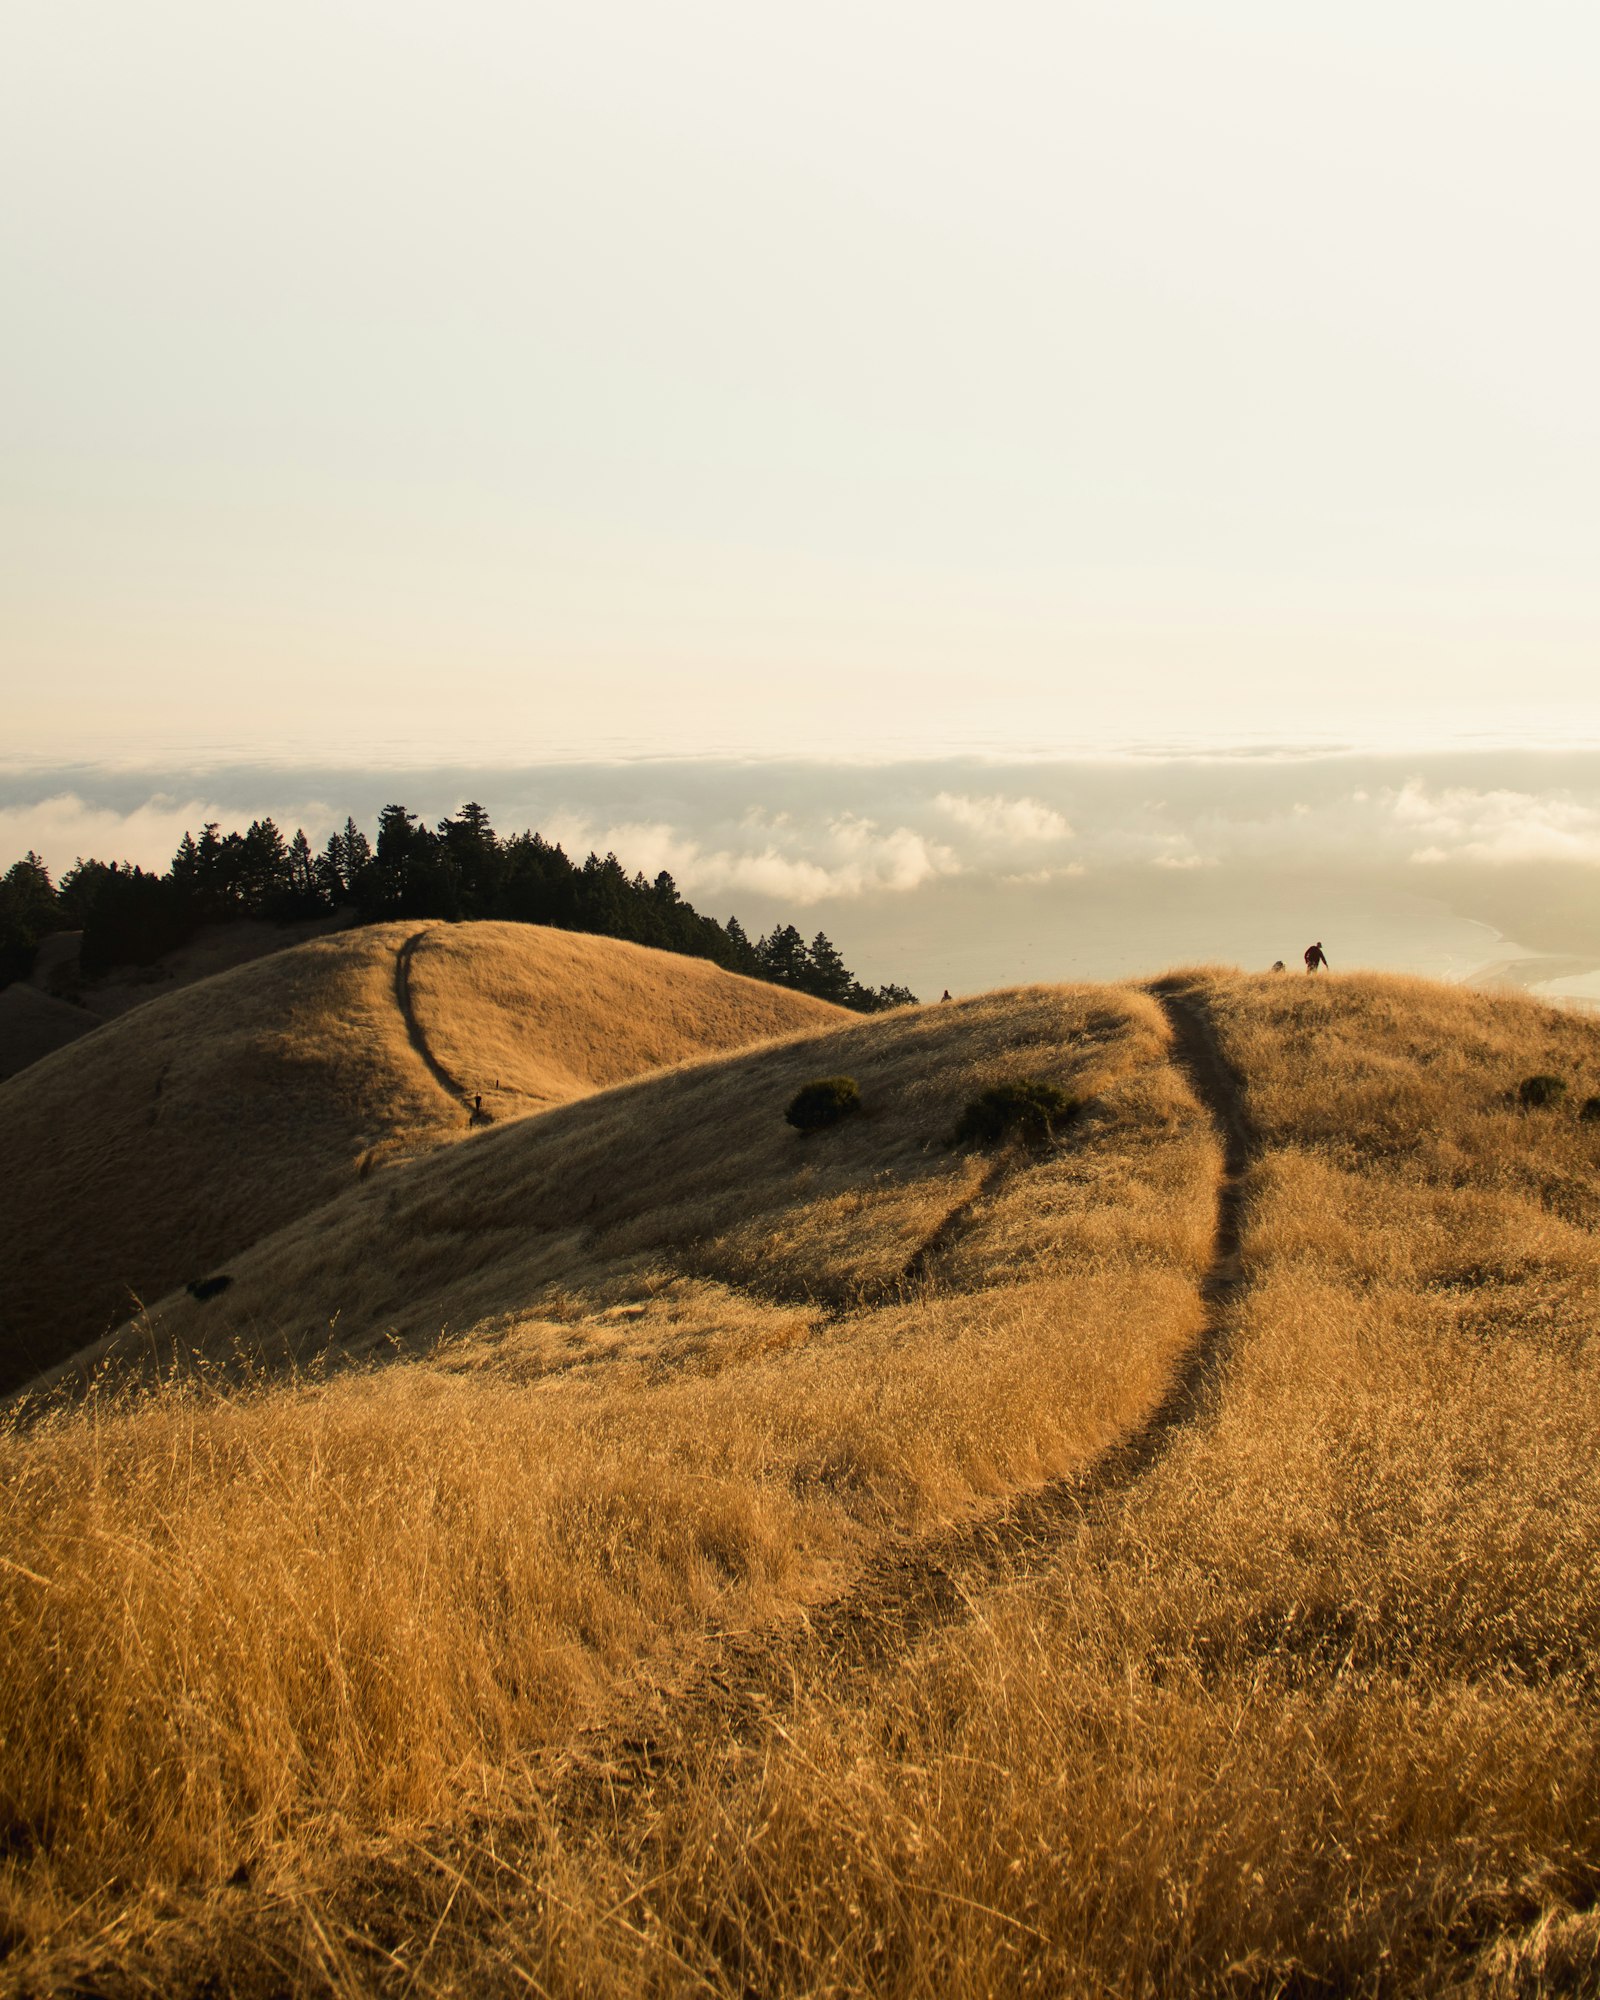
[913, 1587]
[408, 1013]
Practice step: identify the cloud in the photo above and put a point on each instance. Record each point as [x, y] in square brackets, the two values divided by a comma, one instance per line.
[1005, 822]
[65, 827]
[1499, 827]
[781, 855]
[1041, 878]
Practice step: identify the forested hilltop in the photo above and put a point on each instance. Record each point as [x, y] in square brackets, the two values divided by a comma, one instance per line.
[457, 869]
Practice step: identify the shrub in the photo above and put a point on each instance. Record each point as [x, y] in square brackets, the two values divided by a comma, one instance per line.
[1025, 1109]
[823, 1101]
[1591, 1110]
[1536, 1091]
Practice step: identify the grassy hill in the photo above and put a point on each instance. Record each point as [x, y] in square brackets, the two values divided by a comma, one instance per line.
[152, 1150]
[34, 1025]
[56, 1004]
[1161, 1559]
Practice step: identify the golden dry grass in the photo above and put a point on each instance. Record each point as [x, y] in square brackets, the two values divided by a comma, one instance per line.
[1306, 1703]
[602, 1012]
[173, 1138]
[1316, 1708]
[239, 1622]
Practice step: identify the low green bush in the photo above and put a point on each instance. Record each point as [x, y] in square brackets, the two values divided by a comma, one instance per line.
[1024, 1108]
[823, 1101]
[1535, 1092]
[1591, 1110]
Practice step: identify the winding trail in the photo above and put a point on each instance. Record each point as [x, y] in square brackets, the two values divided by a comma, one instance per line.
[914, 1586]
[408, 1013]
[919, 1266]
[915, 1273]
[611, 1783]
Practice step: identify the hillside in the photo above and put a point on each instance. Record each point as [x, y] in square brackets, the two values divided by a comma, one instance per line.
[34, 1025]
[1162, 1559]
[682, 1215]
[146, 1153]
[56, 1005]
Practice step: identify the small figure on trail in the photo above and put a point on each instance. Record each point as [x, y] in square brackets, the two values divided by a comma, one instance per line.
[1315, 956]
[1277, 965]
[477, 1102]
[945, 995]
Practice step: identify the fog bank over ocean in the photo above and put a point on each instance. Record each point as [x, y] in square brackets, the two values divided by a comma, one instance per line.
[960, 872]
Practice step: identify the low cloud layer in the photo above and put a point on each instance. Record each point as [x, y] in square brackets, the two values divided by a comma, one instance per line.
[1004, 869]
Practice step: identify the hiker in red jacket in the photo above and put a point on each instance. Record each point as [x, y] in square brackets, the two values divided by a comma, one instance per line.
[1315, 956]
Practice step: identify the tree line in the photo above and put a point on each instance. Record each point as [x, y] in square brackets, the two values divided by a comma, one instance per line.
[458, 868]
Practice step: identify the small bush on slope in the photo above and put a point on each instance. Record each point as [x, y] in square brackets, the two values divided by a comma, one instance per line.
[1024, 1108]
[823, 1102]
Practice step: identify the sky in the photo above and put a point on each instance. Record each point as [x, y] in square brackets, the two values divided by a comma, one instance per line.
[1034, 490]
[386, 386]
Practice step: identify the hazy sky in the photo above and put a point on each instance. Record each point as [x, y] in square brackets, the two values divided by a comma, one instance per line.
[507, 381]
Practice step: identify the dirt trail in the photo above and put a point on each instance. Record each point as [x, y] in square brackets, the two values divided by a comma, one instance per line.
[419, 1041]
[914, 1586]
[919, 1266]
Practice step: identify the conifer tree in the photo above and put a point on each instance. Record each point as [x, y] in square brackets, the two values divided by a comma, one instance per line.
[740, 952]
[827, 976]
[302, 870]
[782, 957]
[29, 911]
[355, 851]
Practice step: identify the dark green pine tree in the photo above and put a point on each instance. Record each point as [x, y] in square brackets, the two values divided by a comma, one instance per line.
[355, 852]
[301, 873]
[264, 866]
[782, 957]
[739, 954]
[330, 870]
[29, 911]
[472, 856]
[210, 884]
[828, 977]
[186, 862]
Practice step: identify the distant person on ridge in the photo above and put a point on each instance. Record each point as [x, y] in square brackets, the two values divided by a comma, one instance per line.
[945, 995]
[1315, 956]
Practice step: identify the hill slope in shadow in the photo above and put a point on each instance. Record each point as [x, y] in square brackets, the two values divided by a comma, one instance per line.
[142, 1155]
[664, 1210]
